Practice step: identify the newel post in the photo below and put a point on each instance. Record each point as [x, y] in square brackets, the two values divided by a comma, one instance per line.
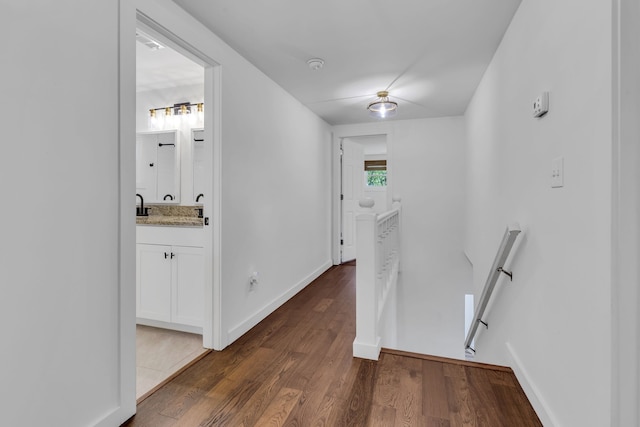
[367, 342]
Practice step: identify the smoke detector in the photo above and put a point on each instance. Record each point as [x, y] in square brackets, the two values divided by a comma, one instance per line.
[315, 63]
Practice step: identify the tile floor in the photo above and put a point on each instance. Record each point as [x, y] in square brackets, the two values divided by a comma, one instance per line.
[160, 353]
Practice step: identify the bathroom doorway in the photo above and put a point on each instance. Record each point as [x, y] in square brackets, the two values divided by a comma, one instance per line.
[175, 294]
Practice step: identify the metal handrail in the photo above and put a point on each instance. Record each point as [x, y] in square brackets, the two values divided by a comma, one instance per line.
[501, 257]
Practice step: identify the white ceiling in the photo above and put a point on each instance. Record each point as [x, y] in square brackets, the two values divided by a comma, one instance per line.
[164, 68]
[429, 54]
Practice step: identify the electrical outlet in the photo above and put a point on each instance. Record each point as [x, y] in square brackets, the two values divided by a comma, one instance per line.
[541, 105]
[557, 172]
[253, 280]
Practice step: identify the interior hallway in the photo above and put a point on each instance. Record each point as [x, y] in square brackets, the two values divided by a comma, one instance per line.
[296, 368]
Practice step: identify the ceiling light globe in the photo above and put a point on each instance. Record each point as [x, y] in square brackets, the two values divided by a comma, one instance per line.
[383, 109]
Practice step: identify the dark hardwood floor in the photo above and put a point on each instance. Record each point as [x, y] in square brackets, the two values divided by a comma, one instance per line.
[296, 369]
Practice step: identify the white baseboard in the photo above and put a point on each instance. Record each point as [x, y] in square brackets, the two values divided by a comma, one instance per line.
[367, 351]
[239, 330]
[531, 390]
[116, 417]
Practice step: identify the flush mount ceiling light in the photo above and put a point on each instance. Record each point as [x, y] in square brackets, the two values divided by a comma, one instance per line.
[315, 63]
[382, 108]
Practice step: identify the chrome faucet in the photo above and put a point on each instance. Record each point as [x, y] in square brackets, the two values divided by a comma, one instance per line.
[141, 210]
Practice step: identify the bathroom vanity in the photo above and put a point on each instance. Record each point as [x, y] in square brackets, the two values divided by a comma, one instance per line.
[169, 233]
[170, 277]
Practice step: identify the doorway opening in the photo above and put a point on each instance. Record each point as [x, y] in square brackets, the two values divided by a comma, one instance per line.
[176, 288]
[363, 174]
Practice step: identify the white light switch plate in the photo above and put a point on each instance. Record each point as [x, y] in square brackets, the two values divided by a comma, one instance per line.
[557, 172]
[541, 105]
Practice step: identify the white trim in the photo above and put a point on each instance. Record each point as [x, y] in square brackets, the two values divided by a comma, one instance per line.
[213, 233]
[625, 227]
[336, 205]
[367, 351]
[212, 325]
[126, 400]
[113, 418]
[538, 402]
[240, 329]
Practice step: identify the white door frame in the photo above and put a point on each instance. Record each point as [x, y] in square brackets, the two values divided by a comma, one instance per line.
[353, 131]
[347, 231]
[625, 245]
[212, 325]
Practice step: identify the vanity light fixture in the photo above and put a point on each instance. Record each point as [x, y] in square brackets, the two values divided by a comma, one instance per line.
[382, 107]
[162, 117]
[181, 109]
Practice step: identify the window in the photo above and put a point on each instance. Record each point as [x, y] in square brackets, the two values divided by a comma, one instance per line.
[375, 173]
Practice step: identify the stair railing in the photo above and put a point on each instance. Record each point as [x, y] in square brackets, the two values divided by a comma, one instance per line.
[497, 268]
[377, 267]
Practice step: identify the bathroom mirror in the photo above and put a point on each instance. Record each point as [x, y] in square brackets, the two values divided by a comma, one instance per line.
[158, 167]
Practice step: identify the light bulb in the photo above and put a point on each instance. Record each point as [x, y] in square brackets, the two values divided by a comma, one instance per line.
[200, 112]
[168, 118]
[153, 119]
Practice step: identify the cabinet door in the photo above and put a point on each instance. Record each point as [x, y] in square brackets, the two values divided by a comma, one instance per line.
[153, 282]
[188, 292]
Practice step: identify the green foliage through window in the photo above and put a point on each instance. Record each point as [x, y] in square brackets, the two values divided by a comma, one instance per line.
[376, 178]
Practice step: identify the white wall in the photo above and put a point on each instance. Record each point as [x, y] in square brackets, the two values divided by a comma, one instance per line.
[552, 324]
[275, 181]
[427, 169]
[61, 273]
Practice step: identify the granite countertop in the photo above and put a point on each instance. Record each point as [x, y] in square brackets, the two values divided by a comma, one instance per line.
[171, 215]
[182, 221]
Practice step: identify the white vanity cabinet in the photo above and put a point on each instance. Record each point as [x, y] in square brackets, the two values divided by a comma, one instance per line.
[153, 283]
[170, 278]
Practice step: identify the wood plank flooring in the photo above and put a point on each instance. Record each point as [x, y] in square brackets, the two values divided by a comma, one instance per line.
[296, 369]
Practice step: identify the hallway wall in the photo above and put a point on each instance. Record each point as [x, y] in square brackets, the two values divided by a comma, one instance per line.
[552, 324]
[66, 272]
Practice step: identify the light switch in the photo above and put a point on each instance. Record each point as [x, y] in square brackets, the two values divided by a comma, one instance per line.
[541, 105]
[557, 172]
